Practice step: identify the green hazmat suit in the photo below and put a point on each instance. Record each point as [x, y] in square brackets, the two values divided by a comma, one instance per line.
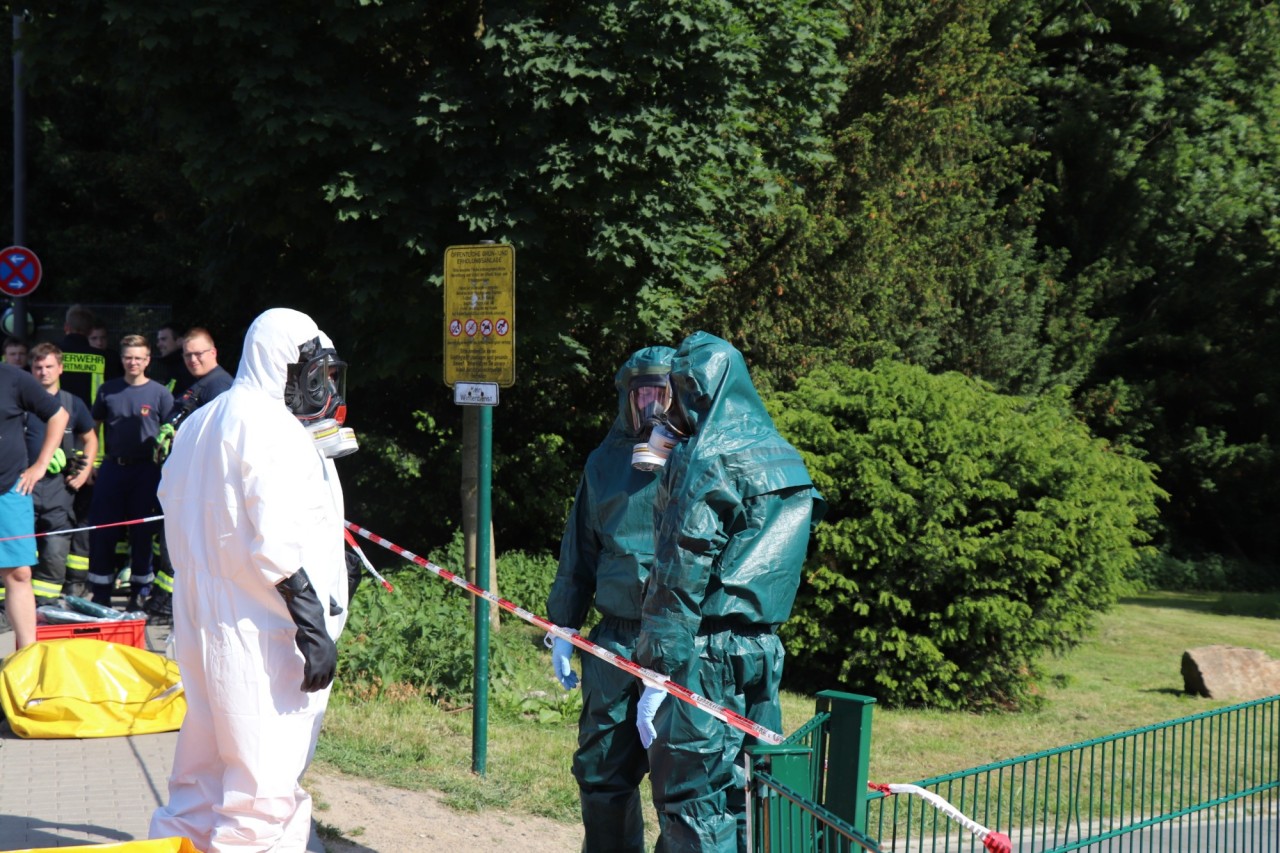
[605, 555]
[733, 515]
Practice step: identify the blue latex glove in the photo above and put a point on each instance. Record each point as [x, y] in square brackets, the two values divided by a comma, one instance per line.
[561, 652]
[649, 702]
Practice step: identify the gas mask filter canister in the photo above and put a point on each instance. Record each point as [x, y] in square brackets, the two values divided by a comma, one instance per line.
[332, 439]
[652, 454]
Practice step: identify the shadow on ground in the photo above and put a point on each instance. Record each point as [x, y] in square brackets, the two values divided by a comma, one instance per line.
[1261, 605]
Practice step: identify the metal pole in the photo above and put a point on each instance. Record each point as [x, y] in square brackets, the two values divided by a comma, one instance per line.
[480, 709]
[19, 172]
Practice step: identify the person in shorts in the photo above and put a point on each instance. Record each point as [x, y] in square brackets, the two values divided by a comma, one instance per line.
[20, 393]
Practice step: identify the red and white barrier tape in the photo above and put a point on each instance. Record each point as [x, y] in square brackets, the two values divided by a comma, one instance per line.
[996, 842]
[351, 540]
[646, 675]
[82, 529]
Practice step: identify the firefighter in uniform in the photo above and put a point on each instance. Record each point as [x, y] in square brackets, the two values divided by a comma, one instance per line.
[54, 496]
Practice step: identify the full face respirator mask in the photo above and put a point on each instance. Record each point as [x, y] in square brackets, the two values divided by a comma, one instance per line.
[649, 399]
[315, 391]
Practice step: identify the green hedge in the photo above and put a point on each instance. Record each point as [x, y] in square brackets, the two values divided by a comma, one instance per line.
[968, 533]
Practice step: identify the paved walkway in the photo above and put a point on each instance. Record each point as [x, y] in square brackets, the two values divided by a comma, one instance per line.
[65, 792]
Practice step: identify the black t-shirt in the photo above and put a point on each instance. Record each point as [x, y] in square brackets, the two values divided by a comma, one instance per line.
[80, 423]
[170, 371]
[202, 391]
[19, 393]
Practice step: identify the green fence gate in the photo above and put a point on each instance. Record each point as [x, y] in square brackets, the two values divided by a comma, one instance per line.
[1208, 782]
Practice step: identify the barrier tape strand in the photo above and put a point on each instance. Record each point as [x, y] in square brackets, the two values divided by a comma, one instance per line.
[996, 842]
[82, 529]
[351, 540]
[648, 676]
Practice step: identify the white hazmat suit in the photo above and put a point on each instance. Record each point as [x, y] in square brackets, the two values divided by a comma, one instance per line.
[248, 502]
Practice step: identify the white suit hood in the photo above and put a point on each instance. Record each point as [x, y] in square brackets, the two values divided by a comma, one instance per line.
[271, 345]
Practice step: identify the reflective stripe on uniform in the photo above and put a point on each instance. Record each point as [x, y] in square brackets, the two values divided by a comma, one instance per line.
[46, 589]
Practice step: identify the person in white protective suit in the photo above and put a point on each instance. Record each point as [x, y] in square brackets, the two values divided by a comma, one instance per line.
[254, 520]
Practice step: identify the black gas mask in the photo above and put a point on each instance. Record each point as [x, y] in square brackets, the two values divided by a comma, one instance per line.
[315, 391]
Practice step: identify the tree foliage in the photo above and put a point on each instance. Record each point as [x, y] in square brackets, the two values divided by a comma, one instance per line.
[1034, 194]
[918, 240]
[337, 148]
[1163, 125]
[969, 533]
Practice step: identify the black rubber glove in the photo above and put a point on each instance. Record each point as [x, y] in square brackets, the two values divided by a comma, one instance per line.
[318, 649]
[355, 574]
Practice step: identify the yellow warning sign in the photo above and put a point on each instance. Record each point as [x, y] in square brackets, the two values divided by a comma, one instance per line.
[480, 314]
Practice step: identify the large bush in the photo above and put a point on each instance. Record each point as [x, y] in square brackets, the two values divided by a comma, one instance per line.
[968, 533]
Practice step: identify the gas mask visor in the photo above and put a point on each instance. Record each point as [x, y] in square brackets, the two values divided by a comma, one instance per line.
[316, 384]
[648, 395]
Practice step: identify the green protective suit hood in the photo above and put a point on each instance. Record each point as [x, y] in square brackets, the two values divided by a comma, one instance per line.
[650, 361]
[728, 420]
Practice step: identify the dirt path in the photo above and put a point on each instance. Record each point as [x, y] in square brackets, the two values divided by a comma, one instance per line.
[373, 818]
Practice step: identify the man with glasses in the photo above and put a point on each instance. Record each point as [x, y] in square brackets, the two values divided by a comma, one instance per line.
[131, 410]
[209, 380]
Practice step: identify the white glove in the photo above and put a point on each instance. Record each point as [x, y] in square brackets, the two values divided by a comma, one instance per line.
[649, 702]
[561, 651]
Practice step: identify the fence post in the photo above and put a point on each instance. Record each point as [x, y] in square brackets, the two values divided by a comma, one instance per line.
[848, 755]
[782, 827]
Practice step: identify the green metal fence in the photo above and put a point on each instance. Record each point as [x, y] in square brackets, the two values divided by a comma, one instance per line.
[1208, 782]
[793, 806]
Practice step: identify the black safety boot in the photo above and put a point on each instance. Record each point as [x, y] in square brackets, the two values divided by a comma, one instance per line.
[137, 599]
[160, 608]
[77, 584]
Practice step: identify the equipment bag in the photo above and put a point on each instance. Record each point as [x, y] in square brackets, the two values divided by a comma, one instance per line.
[81, 688]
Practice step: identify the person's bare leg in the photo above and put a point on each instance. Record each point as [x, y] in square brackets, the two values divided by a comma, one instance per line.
[20, 605]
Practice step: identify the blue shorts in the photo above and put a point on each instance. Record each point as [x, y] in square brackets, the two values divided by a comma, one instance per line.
[17, 518]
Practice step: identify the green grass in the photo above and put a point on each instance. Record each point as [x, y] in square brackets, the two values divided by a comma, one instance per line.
[1126, 675]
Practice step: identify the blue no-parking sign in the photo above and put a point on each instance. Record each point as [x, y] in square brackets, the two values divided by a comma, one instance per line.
[19, 271]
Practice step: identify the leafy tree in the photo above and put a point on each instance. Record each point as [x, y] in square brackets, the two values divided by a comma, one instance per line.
[337, 148]
[968, 533]
[1163, 124]
[918, 239]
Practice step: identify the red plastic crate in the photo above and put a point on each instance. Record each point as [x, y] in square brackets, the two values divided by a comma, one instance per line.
[126, 632]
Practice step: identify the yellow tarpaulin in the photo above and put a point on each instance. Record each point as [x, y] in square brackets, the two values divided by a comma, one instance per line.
[158, 845]
[81, 688]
